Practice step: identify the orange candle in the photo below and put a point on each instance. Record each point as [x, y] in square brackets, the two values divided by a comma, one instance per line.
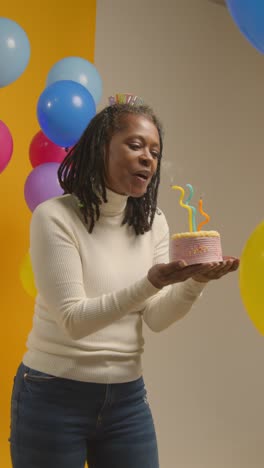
[207, 217]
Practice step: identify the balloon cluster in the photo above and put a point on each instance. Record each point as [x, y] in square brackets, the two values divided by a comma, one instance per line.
[64, 109]
[14, 57]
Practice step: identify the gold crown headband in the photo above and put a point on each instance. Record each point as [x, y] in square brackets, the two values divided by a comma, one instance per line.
[124, 98]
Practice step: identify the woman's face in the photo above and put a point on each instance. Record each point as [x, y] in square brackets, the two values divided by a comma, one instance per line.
[132, 156]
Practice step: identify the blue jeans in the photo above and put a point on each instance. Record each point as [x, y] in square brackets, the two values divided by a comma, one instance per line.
[62, 423]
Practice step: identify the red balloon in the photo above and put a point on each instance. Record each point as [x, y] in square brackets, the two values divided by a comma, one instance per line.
[42, 150]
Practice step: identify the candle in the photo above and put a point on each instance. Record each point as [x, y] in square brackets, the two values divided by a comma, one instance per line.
[121, 98]
[128, 98]
[111, 101]
[203, 214]
[177, 187]
[190, 187]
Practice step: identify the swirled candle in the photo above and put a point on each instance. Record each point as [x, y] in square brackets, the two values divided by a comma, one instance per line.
[207, 217]
[183, 205]
[190, 187]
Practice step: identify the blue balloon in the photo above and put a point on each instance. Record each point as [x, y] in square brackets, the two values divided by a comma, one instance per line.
[64, 110]
[14, 51]
[79, 70]
[249, 17]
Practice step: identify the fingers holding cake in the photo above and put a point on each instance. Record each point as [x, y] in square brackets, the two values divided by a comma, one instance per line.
[228, 265]
[161, 275]
[180, 270]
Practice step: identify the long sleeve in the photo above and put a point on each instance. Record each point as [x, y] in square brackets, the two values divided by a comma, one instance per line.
[58, 275]
[172, 302]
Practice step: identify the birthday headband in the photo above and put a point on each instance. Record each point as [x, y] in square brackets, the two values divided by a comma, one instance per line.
[124, 98]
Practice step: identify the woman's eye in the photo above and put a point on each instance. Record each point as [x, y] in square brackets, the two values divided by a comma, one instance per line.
[137, 147]
[134, 147]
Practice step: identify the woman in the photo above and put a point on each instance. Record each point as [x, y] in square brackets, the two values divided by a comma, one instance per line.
[100, 260]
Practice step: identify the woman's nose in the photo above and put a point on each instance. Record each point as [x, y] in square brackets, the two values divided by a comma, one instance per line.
[146, 158]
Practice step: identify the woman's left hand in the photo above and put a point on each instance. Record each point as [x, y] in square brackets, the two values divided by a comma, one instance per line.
[228, 265]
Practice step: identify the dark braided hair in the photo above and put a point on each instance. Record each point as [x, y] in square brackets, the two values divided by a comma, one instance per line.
[83, 171]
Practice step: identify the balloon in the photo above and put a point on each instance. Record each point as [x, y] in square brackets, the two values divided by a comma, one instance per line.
[42, 184]
[27, 277]
[249, 17]
[14, 51]
[79, 70]
[64, 110]
[42, 150]
[251, 277]
[6, 146]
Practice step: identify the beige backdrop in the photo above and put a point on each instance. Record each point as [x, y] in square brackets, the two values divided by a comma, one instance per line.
[206, 82]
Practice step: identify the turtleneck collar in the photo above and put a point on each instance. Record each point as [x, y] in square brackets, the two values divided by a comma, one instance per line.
[115, 205]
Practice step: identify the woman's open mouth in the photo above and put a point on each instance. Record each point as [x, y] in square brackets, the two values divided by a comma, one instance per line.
[142, 176]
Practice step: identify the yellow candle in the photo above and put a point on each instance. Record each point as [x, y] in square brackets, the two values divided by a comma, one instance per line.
[203, 214]
[121, 98]
[177, 187]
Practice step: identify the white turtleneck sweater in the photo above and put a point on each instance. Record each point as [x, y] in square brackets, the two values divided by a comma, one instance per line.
[93, 291]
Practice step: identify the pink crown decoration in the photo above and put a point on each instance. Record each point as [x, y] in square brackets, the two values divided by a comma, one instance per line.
[125, 98]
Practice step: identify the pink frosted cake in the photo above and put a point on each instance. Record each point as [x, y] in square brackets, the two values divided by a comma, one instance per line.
[196, 247]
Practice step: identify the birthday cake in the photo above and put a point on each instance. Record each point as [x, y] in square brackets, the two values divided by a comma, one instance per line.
[195, 246]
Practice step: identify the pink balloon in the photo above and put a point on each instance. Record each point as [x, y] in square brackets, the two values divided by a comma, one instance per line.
[42, 150]
[42, 184]
[6, 146]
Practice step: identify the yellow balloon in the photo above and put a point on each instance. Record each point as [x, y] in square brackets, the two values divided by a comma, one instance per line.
[27, 277]
[251, 277]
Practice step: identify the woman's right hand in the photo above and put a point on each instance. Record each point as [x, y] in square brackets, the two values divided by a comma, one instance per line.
[164, 274]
